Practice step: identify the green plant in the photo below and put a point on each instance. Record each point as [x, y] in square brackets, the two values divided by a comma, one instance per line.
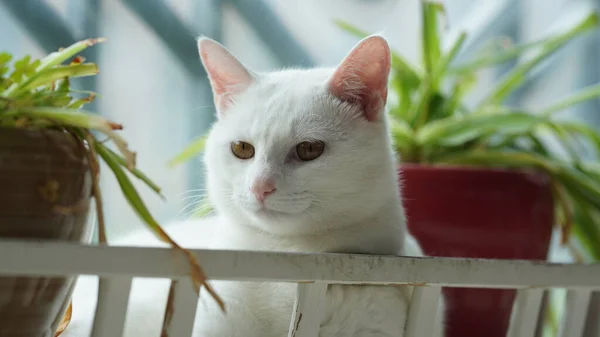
[36, 94]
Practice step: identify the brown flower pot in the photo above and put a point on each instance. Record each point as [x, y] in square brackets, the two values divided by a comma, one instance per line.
[45, 190]
[479, 213]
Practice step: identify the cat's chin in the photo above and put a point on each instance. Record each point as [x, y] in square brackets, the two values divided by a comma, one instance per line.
[269, 213]
[274, 221]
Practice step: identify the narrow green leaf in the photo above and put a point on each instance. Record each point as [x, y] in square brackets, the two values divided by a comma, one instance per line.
[566, 140]
[129, 191]
[189, 152]
[461, 87]
[538, 146]
[23, 68]
[52, 60]
[405, 71]
[404, 91]
[460, 129]
[513, 79]
[584, 231]
[587, 220]
[500, 158]
[584, 130]
[50, 75]
[136, 172]
[500, 56]
[81, 119]
[585, 94]
[580, 185]
[402, 134]
[430, 38]
[68, 117]
[350, 28]
[60, 56]
[420, 110]
[4, 59]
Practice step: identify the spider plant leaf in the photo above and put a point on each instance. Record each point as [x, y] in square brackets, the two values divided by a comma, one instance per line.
[565, 138]
[457, 130]
[499, 57]
[579, 184]
[80, 119]
[402, 134]
[404, 91]
[583, 130]
[4, 66]
[420, 111]
[50, 61]
[129, 191]
[462, 85]
[432, 50]
[500, 158]
[190, 151]
[585, 94]
[50, 75]
[514, 78]
[586, 226]
[584, 232]
[136, 172]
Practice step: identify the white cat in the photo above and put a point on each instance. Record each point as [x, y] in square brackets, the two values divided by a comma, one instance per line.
[299, 160]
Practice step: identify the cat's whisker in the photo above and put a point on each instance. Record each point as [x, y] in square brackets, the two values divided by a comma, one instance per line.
[192, 204]
[193, 191]
[199, 210]
[195, 197]
[202, 107]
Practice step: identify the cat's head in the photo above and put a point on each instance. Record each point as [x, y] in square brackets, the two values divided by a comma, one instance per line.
[300, 151]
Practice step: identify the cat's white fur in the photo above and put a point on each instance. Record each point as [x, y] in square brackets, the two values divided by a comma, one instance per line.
[346, 200]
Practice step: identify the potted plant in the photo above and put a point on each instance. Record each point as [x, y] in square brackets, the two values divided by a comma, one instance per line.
[49, 168]
[484, 182]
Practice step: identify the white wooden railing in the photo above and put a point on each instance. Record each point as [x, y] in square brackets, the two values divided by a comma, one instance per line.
[117, 266]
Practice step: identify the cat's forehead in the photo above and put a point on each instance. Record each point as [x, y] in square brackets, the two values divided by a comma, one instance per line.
[287, 104]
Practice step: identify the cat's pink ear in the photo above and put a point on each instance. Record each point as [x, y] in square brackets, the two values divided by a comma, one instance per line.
[362, 76]
[228, 76]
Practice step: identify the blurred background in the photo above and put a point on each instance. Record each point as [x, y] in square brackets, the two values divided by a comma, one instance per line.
[152, 81]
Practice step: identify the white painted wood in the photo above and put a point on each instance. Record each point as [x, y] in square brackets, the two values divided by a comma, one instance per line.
[525, 313]
[184, 305]
[592, 324]
[422, 311]
[48, 258]
[308, 310]
[111, 310]
[576, 309]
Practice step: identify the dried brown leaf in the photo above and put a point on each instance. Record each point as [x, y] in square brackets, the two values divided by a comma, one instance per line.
[65, 321]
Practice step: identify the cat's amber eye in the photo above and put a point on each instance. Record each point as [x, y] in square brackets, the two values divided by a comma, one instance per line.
[310, 150]
[242, 150]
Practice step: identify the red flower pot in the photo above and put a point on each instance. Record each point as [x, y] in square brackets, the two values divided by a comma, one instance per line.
[479, 213]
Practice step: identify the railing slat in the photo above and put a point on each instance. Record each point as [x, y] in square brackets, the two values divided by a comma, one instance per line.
[48, 258]
[111, 310]
[183, 304]
[525, 313]
[422, 312]
[308, 310]
[576, 309]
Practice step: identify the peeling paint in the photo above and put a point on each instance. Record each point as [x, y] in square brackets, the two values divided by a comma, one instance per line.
[297, 325]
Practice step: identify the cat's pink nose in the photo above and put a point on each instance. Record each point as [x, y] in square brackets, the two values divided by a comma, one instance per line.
[262, 188]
